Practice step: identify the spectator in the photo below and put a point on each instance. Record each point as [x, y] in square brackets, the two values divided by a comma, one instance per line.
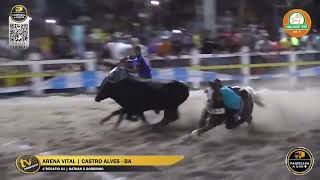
[58, 30]
[295, 43]
[63, 47]
[165, 48]
[247, 38]
[228, 21]
[176, 44]
[46, 43]
[207, 44]
[196, 39]
[284, 43]
[78, 39]
[318, 42]
[306, 42]
[264, 44]
[187, 42]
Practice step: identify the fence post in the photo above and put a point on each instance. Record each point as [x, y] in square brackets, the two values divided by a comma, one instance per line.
[292, 68]
[36, 67]
[195, 57]
[91, 66]
[245, 59]
[195, 61]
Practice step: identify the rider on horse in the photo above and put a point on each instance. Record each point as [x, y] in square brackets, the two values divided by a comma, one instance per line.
[137, 64]
[140, 64]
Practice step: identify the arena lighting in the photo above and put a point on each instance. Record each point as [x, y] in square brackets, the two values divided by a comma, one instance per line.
[155, 2]
[51, 21]
[176, 31]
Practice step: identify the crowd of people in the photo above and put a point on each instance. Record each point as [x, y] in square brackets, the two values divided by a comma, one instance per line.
[80, 42]
[61, 42]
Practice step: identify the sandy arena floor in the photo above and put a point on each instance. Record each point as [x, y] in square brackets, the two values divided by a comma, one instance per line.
[70, 125]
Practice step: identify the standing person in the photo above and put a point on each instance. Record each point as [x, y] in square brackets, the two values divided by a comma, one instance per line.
[78, 38]
[140, 64]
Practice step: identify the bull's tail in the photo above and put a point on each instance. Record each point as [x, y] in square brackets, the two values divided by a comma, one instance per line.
[255, 97]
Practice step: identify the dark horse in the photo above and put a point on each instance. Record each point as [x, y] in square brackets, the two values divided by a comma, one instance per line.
[136, 95]
[215, 114]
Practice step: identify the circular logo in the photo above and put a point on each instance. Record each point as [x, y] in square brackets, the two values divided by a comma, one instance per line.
[299, 161]
[28, 164]
[296, 23]
[19, 13]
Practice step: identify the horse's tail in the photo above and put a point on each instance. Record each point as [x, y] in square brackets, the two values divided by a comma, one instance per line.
[255, 97]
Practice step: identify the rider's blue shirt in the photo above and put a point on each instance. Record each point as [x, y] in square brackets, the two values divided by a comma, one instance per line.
[144, 70]
[230, 98]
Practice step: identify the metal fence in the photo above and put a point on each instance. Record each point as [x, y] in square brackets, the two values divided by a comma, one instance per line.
[196, 69]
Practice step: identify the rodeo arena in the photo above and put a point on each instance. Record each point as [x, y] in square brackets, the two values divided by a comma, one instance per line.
[75, 91]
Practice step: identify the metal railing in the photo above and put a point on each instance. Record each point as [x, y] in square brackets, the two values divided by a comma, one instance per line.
[244, 57]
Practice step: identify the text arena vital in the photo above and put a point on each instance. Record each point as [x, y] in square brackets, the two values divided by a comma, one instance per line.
[85, 161]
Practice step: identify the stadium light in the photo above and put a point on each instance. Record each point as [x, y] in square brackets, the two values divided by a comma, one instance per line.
[51, 21]
[155, 2]
[176, 31]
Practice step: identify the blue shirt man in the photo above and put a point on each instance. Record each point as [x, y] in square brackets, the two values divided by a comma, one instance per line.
[230, 98]
[232, 102]
[140, 64]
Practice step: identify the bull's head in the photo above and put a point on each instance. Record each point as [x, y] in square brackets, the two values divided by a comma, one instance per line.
[109, 83]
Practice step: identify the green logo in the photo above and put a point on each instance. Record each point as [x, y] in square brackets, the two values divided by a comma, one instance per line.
[297, 21]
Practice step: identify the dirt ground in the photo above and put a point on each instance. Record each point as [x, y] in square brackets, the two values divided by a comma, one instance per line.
[59, 125]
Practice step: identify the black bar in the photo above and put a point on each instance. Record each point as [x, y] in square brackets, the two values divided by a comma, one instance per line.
[98, 169]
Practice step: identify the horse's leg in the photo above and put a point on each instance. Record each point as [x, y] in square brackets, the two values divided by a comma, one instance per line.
[248, 108]
[110, 116]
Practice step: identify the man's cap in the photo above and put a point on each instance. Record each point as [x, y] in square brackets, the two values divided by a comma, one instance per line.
[217, 81]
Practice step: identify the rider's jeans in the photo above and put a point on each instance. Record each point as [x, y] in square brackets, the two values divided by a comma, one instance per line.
[233, 116]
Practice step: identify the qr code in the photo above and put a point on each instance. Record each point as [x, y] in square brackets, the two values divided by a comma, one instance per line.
[19, 32]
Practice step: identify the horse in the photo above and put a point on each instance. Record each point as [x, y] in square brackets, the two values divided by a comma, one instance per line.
[215, 114]
[136, 95]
